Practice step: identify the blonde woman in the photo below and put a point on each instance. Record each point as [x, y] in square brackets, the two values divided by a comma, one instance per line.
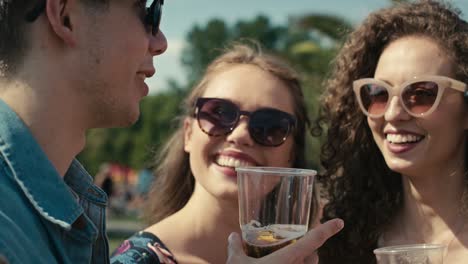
[247, 110]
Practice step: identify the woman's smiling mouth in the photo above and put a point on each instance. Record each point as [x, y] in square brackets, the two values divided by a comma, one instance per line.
[229, 161]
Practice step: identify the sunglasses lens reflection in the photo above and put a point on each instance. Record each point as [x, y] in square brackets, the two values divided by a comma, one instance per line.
[217, 117]
[374, 98]
[419, 97]
[268, 127]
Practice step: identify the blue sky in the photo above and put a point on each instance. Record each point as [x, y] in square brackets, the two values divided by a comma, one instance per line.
[179, 16]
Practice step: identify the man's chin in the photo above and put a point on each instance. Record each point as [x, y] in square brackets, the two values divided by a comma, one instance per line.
[122, 120]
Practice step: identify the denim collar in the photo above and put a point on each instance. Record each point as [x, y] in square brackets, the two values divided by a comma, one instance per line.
[79, 180]
[34, 173]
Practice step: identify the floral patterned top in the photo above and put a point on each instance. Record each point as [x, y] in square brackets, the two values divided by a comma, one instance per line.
[144, 248]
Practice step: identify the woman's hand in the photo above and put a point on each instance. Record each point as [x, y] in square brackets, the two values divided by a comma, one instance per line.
[303, 251]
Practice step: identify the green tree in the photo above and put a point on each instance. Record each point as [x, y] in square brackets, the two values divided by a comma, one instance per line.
[134, 146]
[315, 42]
[206, 43]
[203, 47]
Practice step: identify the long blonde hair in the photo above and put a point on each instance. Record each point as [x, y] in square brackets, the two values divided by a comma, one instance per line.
[174, 182]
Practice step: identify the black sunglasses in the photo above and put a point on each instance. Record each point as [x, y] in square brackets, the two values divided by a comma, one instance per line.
[152, 19]
[153, 16]
[267, 126]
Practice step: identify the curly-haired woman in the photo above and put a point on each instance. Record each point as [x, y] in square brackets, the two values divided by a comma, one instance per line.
[395, 157]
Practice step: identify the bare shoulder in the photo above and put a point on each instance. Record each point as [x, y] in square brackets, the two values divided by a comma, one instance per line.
[172, 231]
[166, 228]
[175, 234]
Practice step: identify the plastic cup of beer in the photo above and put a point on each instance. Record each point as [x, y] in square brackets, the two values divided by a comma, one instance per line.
[274, 207]
[411, 254]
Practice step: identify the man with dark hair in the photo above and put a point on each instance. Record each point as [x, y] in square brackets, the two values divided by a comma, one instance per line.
[62, 73]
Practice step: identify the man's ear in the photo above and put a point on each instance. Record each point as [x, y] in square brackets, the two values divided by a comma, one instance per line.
[61, 15]
[187, 134]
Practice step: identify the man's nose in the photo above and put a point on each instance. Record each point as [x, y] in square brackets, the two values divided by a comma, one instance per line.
[157, 44]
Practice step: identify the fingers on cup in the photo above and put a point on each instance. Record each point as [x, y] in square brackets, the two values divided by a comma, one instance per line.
[234, 244]
[305, 248]
[317, 236]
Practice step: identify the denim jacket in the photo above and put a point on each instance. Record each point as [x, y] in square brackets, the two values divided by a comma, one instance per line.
[45, 218]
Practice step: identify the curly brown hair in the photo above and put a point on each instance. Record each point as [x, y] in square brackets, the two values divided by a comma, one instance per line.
[175, 183]
[361, 189]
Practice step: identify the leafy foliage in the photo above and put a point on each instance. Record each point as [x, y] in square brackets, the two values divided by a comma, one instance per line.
[134, 146]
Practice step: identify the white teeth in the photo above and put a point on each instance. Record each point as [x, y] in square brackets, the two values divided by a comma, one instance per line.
[402, 138]
[227, 161]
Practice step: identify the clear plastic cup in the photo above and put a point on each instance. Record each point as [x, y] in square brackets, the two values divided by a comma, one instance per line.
[274, 207]
[411, 254]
